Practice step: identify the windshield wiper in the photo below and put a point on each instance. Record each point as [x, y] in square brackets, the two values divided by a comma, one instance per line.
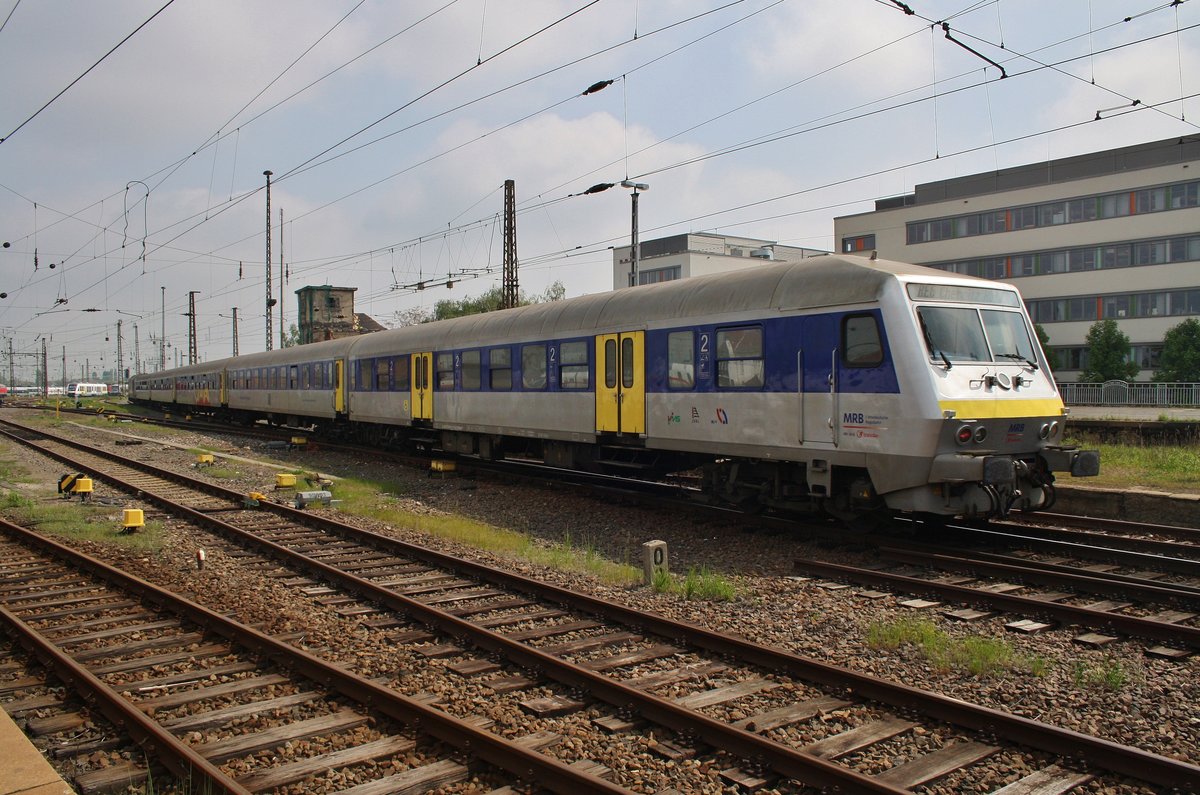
[929, 341]
[1018, 356]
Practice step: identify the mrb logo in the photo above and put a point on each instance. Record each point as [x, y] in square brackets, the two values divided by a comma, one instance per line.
[852, 418]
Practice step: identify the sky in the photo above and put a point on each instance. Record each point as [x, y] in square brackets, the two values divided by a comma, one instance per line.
[136, 134]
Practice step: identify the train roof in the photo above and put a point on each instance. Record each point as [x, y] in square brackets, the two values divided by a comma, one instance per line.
[824, 281]
[808, 284]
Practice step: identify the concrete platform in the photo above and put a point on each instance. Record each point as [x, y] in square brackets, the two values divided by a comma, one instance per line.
[23, 769]
[1133, 413]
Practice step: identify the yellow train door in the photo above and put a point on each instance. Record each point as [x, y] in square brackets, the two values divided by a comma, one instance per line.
[339, 386]
[621, 382]
[422, 386]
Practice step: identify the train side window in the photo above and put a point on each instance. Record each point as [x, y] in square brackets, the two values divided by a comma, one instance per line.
[471, 378]
[533, 366]
[500, 369]
[401, 376]
[861, 343]
[382, 374]
[306, 376]
[740, 358]
[681, 352]
[363, 375]
[573, 365]
[610, 364]
[445, 371]
[293, 377]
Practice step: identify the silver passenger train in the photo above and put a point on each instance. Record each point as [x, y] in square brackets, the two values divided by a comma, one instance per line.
[838, 385]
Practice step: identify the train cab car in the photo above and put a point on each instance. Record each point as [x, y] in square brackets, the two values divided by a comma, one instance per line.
[837, 385]
[297, 386]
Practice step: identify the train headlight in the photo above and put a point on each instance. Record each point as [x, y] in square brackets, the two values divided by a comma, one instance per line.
[964, 434]
[1054, 428]
[980, 434]
[1044, 431]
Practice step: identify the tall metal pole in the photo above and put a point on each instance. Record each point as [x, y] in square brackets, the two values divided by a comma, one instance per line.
[137, 350]
[634, 250]
[509, 290]
[235, 333]
[64, 367]
[12, 373]
[267, 174]
[281, 303]
[192, 326]
[45, 370]
[162, 336]
[633, 246]
[120, 354]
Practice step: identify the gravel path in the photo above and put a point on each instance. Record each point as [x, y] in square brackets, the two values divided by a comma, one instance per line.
[1141, 701]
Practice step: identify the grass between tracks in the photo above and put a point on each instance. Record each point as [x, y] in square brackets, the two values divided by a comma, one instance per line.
[379, 501]
[979, 656]
[80, 521]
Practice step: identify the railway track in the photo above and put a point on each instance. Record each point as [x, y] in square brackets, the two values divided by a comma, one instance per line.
[1148, 587]
[223, 706]
[763, 716]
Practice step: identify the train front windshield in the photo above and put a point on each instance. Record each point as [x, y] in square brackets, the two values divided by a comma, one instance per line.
[974, 333]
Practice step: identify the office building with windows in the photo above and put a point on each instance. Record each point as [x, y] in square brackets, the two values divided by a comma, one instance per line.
[698, 254]
[1112, 234]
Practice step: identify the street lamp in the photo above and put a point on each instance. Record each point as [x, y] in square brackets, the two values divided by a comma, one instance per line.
[633, 245]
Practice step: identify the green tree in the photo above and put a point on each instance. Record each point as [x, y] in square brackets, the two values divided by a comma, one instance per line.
[1044, 342]
[292, 338]
[1108, 354]
[1180, 359]
[492, 300]
[1043, 337]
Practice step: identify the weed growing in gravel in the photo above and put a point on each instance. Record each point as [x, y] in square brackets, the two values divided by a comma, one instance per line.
[70, 519]
[979, 656]
[377, 501]
[662, 582]
[702, 583]
[12, 471]
[1108, 674]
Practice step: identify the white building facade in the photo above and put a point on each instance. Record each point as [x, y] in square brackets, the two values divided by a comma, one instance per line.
[698, 254]
[1112, 234]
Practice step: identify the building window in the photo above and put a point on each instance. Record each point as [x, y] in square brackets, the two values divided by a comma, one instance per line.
[852, 245]
[1085, 208]
[740, 358]
[656, 275]
[573, 365]
[1154, 304]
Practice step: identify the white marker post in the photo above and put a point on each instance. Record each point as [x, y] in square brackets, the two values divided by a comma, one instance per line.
[654, 560]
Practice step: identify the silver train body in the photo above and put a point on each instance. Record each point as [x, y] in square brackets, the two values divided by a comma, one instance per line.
[838, 384]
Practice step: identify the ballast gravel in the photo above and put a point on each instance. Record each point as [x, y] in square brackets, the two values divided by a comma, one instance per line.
[1117, 693]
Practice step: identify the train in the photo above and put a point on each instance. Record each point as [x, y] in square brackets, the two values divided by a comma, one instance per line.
[844, 386]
